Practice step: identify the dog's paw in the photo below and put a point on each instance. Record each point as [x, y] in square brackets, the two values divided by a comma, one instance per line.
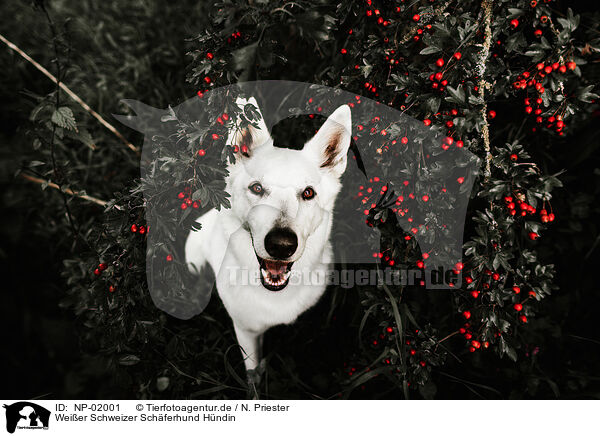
[254, 377]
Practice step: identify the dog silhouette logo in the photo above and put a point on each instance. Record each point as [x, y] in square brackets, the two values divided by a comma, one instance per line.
[26, 415]
[375, 171]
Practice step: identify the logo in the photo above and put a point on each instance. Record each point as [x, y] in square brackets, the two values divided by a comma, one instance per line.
[402, 177]
[26, 415]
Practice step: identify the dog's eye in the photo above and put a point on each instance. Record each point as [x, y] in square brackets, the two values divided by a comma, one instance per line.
[308, 193]
[256, 188]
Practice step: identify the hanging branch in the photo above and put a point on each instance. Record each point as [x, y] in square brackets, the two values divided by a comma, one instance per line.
[425, 18]
[67, 191]
[70, 93]
[486, 5]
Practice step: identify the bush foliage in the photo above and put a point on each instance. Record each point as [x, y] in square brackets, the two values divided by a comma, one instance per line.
[512, 81]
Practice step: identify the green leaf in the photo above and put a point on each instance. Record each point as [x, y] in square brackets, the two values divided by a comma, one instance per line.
[63, 117]
[457, 95]
[129, 360]
[430, 50]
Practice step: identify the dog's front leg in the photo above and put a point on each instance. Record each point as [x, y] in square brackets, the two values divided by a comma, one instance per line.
[251, 344]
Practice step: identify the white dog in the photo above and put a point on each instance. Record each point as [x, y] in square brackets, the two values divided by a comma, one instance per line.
[278, 227]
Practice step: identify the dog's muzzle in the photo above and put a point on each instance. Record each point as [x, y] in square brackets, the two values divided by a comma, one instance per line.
[274, 274]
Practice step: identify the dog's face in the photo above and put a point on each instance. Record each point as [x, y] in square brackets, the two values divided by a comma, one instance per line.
[283, 197]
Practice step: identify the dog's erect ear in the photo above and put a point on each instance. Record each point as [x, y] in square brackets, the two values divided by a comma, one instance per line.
[330, 144]
[248, 137]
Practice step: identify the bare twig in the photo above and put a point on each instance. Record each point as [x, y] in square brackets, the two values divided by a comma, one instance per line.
[71, 94]
[447, 337]
[486, 5]
[67, 191]
[425, 18]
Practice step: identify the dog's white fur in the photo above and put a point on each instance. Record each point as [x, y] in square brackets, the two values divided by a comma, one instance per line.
[231, 239]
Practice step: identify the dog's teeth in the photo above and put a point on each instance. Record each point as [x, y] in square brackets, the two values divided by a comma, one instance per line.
[268, 278]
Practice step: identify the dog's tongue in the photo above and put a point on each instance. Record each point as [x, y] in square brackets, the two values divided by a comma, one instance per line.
[276, 268]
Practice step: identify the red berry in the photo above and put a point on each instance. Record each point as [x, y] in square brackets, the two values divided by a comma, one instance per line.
[134, 228]
[97, 272]
[183, 206]
[427, 122]
[476, 344]
[474, 294]
[422, 363]
[469, 280]
[389, 330]
[215, 136]
[207, 79]
[440, 62]
[492, 114]
[169, 258]
[516, 289]
[496, 276]
[538, 33]
[416, 17]
[523, 319]
[202, 152]
[514, 157]
[343, 51]
[518, 307]
[460, 180]
[195, 205]
[571, 65]
[457, 55]
[209, 55]
[514, 23]
[533, 236]
[425, 198]
[102, 266]
[467, 314]
[142, 230]
[111, 288]
[404, 140]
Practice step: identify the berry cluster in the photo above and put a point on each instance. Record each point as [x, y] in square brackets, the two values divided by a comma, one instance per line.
[99, 270]
[519, 206]
[139, 229]
[186, 196]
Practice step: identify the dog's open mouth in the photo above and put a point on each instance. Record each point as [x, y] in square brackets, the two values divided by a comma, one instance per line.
[274, 274]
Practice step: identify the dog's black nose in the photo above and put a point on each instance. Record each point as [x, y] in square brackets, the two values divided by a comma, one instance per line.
[281, 243]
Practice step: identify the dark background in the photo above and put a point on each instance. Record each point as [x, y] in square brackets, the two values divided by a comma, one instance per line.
[41, 351]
